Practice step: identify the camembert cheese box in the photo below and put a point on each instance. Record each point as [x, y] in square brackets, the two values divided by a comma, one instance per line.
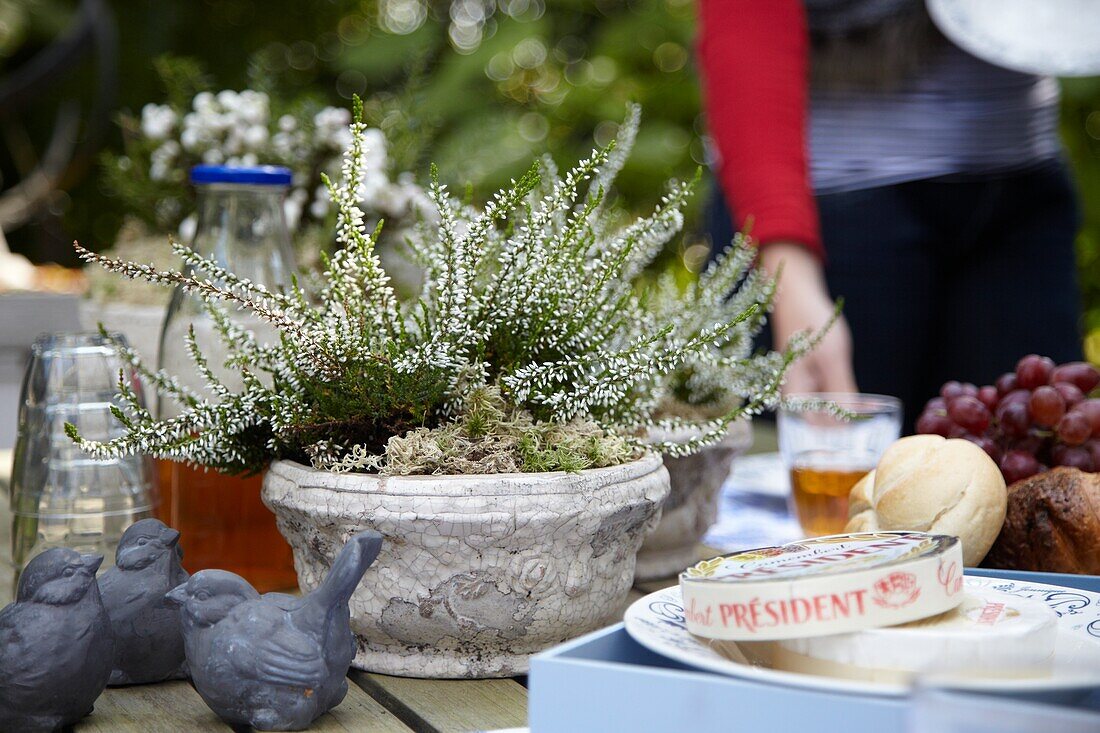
[824, 585]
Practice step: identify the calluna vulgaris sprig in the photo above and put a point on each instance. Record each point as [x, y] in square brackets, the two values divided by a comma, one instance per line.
[530, 335]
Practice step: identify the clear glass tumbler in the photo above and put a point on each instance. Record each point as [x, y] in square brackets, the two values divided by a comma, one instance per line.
[61, 496]
[827, 455]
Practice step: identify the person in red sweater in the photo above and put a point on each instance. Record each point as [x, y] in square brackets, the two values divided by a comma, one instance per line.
[879, 163]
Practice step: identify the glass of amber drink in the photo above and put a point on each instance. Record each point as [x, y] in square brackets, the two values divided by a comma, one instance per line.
[826, 454]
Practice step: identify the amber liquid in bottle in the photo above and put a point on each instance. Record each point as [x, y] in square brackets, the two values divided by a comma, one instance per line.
[821, 497]
[222, 520]
[224, 524]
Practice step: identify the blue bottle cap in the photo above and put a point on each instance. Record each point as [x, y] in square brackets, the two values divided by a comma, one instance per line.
[256, 175]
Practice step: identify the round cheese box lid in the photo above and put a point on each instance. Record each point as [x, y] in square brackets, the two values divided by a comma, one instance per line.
[824, 585]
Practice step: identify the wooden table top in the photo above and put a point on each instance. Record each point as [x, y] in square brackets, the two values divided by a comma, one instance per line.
[374, 702]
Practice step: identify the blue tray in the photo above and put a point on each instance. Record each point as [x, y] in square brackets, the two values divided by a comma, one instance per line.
[606, 681]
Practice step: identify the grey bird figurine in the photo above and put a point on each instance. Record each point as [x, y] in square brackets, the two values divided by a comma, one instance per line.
[148, 637]
[275, 662]
[55, 644]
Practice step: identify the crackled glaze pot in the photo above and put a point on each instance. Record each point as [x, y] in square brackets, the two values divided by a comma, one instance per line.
[477, 573]
[692, 504]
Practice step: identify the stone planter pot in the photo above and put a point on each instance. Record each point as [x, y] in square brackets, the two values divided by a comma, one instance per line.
[477, 573]
[692, 504]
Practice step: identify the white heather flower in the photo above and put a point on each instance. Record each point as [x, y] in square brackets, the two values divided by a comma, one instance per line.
[292, 210]
[409, 199]
[342, 139]
[255, 137]
[162, 159]
[233, 143]
[249, 159]
[253, 107]
[190, 139]
[213, 156]
[320, 205]
[282, 143]
[416, 200]
[287, 123]
[330, 127]
[216, 123]
[157, 121]
[293, 206]
[203, 101]
[187, 228]
[374, 143]
[228, 99]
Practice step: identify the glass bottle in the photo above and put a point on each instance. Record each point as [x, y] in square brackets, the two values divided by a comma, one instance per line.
[61, 496]
[222, 520]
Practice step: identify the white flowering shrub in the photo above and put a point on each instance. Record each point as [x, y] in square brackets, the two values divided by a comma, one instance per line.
[240, 129]
[528, 348]
[714, 381]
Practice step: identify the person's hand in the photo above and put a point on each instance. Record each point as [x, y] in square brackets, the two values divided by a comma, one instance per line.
[802, 303]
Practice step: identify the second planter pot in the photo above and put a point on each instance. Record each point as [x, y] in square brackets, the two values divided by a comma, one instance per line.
[477, 573]
[692, 504]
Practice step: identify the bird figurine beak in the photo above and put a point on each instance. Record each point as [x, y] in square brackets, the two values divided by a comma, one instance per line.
[91, 563]
[178, 595]
[170, 537]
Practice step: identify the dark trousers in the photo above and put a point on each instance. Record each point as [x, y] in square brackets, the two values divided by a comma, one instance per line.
[949, 278]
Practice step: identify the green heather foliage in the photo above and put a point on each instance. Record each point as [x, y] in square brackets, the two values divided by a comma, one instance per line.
[529, 348]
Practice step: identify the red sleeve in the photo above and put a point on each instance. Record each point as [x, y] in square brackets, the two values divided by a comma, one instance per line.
[754, 58]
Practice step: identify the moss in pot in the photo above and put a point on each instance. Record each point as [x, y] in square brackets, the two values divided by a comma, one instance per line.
[492, 429]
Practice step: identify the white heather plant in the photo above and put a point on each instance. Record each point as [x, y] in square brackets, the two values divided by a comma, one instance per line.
[529, 347]
[716, 380]
[245, 128]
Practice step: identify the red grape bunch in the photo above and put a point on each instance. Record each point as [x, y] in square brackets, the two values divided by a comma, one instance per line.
[1034, 418]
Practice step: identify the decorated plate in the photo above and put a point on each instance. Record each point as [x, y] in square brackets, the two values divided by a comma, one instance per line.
[657, 622]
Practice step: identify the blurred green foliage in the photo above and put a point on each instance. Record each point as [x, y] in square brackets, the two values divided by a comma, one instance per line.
[547, 77]
[540, 75]
[476, 86]
[29, 22]
[1081, 133]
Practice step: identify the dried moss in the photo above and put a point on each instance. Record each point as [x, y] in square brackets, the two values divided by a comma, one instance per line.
[490, 439]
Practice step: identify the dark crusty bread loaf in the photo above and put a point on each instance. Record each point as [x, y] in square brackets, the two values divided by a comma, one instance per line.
[1052, 524]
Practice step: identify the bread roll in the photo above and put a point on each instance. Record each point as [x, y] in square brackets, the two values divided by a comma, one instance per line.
[861, 512]
[928, 484]
[859, 500]
[1052, 525]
